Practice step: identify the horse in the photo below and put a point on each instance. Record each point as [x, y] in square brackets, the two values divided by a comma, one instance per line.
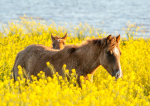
[57, 42]
[84, 58]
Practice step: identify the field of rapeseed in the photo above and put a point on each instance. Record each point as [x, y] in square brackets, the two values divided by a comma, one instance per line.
[133, 89]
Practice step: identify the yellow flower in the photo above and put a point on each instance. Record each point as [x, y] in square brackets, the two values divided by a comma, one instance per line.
[132, 89]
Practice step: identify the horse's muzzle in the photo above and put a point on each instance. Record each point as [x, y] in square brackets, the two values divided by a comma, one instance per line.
[119, 74]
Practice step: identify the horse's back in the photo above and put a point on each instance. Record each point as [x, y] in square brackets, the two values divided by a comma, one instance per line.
[28, 57]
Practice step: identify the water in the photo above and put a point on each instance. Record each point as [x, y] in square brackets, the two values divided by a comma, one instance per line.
[114, 14]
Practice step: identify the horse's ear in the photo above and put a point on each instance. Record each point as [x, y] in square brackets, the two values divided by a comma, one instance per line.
[52, 37]
[65, 37]
[108, 38]
[118, 38]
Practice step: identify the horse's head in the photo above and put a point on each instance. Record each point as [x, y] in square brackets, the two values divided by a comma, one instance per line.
[110, 56]
[58, 43]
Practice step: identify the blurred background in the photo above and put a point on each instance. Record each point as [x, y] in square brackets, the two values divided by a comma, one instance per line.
[112, 16]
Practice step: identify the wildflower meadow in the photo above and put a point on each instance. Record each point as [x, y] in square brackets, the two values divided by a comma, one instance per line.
[133, 89]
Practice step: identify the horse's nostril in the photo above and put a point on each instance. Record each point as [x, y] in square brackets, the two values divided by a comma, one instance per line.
[117, 75]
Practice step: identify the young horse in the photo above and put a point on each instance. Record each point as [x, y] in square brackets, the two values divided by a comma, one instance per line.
[58, 43]
[84, 58]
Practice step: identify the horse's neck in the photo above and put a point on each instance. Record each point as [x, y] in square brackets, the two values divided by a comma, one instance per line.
[90, 58]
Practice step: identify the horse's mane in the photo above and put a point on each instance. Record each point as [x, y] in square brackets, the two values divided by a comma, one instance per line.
[97, 42]
[69, 49]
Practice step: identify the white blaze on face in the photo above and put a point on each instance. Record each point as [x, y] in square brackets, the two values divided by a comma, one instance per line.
[58, 40]
[116, 51]
[119, 73]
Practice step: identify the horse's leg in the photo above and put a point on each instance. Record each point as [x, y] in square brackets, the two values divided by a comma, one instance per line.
[32, 62]
[85, 78]
[48, 72]
[79, 81]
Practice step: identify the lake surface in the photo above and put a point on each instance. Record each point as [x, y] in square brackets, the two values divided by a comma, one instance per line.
[114, 14]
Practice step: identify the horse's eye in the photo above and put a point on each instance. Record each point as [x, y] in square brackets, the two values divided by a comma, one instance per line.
[53, 45]
[108, 53]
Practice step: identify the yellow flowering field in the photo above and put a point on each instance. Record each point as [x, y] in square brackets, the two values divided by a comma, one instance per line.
[132, 89]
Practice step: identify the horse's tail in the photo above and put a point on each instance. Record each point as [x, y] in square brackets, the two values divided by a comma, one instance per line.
[13, 75]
